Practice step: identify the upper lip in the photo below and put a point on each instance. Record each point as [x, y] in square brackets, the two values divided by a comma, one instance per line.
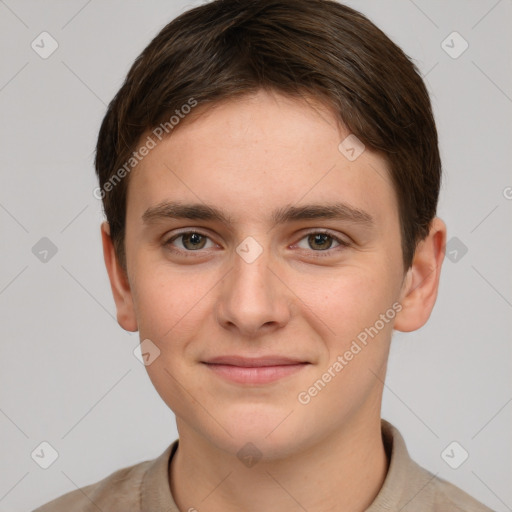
[253, 362]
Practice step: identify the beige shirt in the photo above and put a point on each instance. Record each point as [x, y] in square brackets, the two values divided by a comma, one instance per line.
[145, 487]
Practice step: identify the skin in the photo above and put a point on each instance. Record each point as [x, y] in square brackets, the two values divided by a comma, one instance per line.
[299, 298]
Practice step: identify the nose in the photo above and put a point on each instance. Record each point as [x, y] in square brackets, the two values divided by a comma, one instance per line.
[253, 299]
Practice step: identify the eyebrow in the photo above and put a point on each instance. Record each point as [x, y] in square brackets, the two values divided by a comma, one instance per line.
[199, 211]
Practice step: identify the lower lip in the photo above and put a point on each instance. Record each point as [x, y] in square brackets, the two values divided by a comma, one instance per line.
[255, 375]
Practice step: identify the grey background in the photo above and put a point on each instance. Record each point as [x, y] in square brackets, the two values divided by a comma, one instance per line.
[68, 373]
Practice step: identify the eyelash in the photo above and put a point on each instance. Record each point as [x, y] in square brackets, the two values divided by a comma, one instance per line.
[318, 254]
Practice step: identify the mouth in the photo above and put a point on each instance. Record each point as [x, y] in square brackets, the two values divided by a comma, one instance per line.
[260, 370]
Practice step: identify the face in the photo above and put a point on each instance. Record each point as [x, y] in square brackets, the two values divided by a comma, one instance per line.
[264, 263]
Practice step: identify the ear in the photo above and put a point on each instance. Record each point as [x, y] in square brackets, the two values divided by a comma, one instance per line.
[118, 282]
[419, 290]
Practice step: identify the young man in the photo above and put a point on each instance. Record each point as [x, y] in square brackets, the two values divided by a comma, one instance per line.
[270, 174]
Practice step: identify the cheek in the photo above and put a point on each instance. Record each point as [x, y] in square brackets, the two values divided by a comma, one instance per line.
[170, 308]
[359, 308]
[346, 302]
[168, 303]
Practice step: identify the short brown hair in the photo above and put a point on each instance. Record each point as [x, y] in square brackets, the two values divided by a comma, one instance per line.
[321, 48]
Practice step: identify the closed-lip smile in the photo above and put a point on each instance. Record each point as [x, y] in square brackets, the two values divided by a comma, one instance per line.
[254, 370]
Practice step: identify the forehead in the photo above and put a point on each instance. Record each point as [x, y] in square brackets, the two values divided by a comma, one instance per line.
[260, 150]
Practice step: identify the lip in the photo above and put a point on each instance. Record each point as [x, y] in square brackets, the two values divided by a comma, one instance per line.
[253, 362]
[259, 370]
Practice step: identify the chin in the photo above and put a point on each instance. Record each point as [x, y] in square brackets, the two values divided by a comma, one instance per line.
[273, 433]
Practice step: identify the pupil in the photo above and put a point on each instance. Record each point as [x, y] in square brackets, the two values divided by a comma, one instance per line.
[320, 239]
[194, 239]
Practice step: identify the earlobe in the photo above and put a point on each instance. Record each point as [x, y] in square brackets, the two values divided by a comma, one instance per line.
[118, 282]
[419, 291]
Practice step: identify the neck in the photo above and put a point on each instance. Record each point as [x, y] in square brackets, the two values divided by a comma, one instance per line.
[343, 471]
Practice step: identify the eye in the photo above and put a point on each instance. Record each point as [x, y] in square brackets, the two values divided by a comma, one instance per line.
[194, 241]
[321, 241]
[190, 241]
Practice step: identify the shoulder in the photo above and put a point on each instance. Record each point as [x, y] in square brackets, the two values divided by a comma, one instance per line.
[412, 488]
[118, 491]
[441, 495]
[125, 489]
